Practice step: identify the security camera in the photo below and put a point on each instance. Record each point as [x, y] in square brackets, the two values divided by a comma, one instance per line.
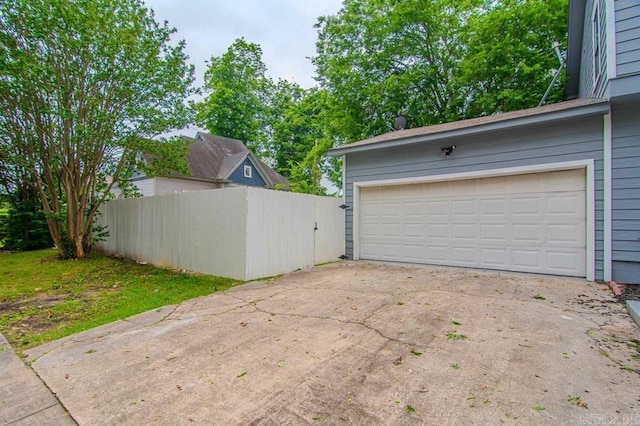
[448, 149]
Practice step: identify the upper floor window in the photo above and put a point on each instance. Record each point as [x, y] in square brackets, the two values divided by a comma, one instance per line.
[598, 39]
[248, 172]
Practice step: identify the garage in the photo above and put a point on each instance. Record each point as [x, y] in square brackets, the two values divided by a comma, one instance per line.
[533, 222]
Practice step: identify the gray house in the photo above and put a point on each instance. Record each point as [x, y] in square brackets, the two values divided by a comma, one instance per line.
[214, 162]
[553, 189]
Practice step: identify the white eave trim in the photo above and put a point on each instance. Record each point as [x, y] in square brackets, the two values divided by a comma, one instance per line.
[588, 165]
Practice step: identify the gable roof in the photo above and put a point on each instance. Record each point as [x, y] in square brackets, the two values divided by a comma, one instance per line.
[217, 157]
[508, 120]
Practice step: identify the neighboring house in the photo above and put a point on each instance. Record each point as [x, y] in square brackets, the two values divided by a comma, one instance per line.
[553, 190]
[214, 162]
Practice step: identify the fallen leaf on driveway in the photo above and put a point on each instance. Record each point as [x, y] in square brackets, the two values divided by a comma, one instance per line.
[398, 360]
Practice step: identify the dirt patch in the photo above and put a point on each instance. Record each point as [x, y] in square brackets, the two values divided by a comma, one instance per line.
[631, 292]
[41, 301]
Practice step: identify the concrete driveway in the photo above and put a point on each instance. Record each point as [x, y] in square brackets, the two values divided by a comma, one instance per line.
[360, 343]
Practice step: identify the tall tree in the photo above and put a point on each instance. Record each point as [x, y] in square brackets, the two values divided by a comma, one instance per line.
[301, 138]
[509, 60]
[81, 82]
[381, 58]
[237, 93]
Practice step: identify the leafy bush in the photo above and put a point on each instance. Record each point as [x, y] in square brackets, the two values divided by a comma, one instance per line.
[24, 228]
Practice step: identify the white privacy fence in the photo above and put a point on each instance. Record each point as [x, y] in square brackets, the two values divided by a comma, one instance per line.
[239, 232]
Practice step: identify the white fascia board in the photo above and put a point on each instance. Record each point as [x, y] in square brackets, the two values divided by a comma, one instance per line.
[588, 165]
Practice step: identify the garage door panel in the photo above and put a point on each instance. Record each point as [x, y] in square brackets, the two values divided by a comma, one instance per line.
[527, 233]
[527, 206]
[437, 208]
[529, 223]
[563, 262]
[437, 253]
[526, 260]
[495, 257]
[391, 250]
[464, 208]
[566, 234]
[413, 209]
[465, 256]
[462, 232]
[436, 231]
[413, 252]
[494, 232]
[494, 207]
[413, 230]
[565, 205]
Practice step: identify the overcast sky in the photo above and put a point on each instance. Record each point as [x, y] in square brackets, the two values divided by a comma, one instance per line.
[283, 28]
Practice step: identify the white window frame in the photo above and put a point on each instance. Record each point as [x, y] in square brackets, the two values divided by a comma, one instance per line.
[248, 171]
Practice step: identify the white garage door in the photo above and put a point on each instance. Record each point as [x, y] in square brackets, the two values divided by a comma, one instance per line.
[530, 223]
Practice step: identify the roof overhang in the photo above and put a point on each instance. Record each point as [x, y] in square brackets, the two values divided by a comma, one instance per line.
[547, 114]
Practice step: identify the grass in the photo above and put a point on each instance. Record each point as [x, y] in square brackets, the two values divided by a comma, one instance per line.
[454, 336]
[43, 298]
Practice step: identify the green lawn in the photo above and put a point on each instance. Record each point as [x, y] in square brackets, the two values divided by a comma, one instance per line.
[43, 298]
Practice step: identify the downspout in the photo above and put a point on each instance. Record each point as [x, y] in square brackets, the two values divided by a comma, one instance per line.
[607, 143]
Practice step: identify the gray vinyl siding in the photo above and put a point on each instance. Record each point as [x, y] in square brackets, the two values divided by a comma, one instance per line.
[592, 86]
[625, 194]
[146, 186]
[570, 141]
[627, 37]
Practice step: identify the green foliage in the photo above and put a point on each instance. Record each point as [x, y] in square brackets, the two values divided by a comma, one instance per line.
[237, 94]
[302, 135]
[435, 61]
[44, 298]
[161, 158]
[80, 82]
[509, 62]
[283, 122]
[24, 227]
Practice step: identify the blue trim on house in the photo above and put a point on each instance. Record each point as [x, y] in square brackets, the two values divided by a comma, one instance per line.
[238, 175]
